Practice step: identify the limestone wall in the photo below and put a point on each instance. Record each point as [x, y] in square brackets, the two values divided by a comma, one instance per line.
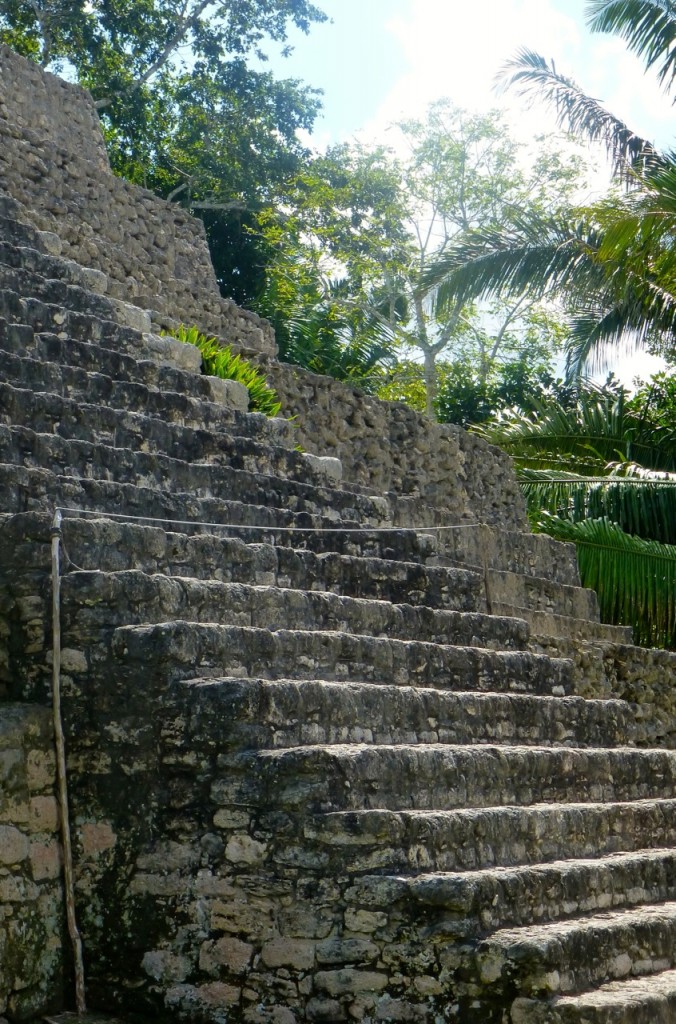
[31, 904]
[154, 253]
[390, 447]
[61, 114]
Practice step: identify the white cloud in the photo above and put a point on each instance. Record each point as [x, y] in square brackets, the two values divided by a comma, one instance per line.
[455, 49]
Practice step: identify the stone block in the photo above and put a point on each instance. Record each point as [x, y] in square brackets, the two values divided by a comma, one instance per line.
[350, 982]
[45, 859]
[96, 838]
[43, 814]
[230, 953]
[326, 466]
[347, 951]
[242, 849]
[169, 351]
[229, 393]
[14, 845]
[282, 952]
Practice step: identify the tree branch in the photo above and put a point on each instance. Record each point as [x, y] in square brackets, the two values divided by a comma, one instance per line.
[184, 26]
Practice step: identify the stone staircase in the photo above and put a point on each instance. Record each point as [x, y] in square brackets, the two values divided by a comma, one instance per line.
[340, 755]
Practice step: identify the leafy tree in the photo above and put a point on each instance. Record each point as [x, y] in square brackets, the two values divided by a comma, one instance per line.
[603, 473]
[463, 174]
[372, 222]
[613, 263]
[465, 396]
[341, 226]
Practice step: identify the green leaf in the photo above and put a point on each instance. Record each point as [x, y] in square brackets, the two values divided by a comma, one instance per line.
[635, 579]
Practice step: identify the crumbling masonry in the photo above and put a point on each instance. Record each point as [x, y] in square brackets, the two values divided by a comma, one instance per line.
[360, 751]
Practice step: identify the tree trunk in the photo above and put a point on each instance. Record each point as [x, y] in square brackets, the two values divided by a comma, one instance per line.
[430, 383]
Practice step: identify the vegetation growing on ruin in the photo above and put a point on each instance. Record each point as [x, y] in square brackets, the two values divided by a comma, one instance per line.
[219, 360]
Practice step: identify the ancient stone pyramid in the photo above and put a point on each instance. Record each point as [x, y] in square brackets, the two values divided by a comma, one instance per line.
[357, 750]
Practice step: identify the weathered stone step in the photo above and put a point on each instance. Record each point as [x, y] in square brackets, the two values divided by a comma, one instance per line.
[475, 902]
[475, 839]
[518, 554]
[28, 256]
[578, 954]
[213, 411]
[136, 431]
[650, 999]
[30, 333]
[517, 590]
[114, 545]
[28, 490]
[439, 777]
[176, 650]
[97, 601]
[82, 459]
[547, 624]
[72, 297]
[16, 232]
[105, 323]
[219, 714]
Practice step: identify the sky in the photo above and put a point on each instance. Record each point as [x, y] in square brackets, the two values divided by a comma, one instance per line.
[379, 61]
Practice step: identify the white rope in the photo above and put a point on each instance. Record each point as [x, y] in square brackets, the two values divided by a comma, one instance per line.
[61, 770]
[276, 529]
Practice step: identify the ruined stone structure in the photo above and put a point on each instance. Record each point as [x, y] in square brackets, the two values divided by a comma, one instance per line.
[361, 750]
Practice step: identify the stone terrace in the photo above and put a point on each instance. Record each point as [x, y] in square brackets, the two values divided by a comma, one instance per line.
[360, 749]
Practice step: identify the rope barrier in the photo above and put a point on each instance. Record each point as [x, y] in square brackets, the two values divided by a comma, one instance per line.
[62, 782]
[278, 529]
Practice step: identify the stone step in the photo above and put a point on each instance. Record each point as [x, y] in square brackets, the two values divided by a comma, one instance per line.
[647, 999]
[518, 554]
[81, 459]
[107, 322]
[99, 425]
[547, 624]
[95, 602]
[518, 590]
[475, 902]
[33, 332]
[438, 777]
[72, 297]
[114, 545]
[183, 650]
[571, 956]
[28, 256]
[208, 411]
[31, 490]
[220, 714]
[475, 839]
[14, 231]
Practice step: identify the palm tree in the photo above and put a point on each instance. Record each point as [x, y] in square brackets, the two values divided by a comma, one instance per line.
[578, 468]
[592, 475]
[613, 264]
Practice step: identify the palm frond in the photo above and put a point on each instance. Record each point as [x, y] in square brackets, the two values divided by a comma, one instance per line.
[542, 255]
[635, 579]
[648, 26]
[643, 507]
[585, 438]
[580, 114]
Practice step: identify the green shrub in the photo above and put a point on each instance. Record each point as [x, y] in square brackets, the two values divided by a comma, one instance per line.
[218, 360]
